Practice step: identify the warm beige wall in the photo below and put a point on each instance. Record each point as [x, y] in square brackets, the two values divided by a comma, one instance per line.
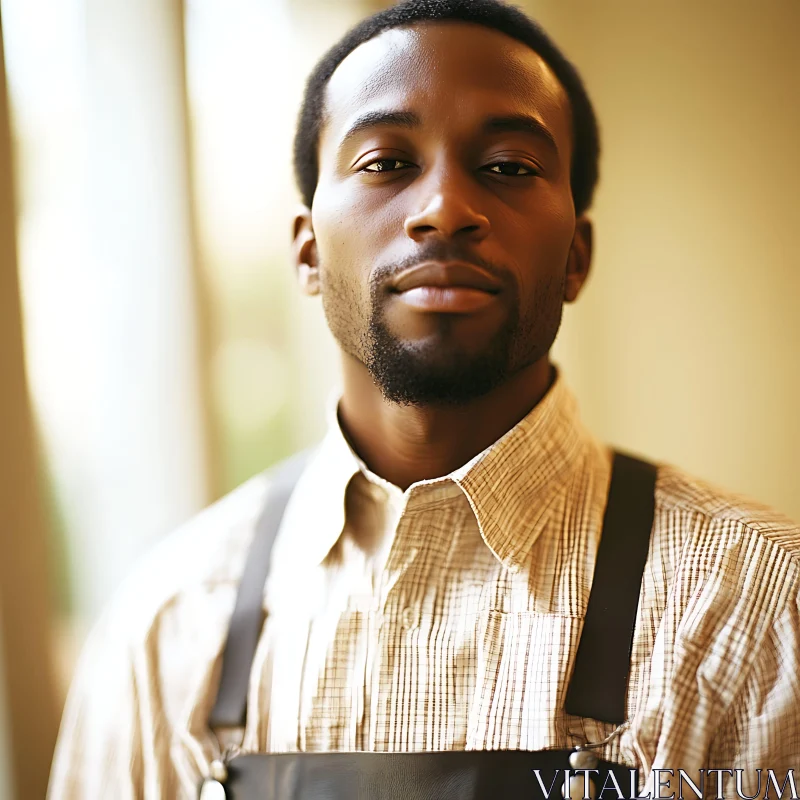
[686, 344]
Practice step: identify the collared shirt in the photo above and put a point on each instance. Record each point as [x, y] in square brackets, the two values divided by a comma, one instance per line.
[447, 617]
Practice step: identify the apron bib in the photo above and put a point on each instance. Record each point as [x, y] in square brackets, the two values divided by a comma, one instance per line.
[597, 687]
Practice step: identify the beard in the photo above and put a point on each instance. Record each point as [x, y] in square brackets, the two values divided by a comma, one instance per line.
[440, 370]
[437, 371]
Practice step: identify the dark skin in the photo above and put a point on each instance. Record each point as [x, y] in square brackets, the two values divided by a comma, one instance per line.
[454, 140]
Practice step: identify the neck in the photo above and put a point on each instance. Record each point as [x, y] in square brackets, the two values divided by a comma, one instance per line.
[405, 444]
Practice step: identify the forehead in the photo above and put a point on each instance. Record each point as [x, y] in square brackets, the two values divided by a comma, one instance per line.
[447, 72]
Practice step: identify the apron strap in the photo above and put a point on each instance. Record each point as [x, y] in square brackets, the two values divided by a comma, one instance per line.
[599, 680]
[230, 708]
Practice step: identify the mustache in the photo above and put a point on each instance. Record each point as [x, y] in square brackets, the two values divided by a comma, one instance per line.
[384, 274]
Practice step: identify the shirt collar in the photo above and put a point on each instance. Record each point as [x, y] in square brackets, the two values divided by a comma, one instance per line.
[317, 504]
[509, 485]
[512, 486]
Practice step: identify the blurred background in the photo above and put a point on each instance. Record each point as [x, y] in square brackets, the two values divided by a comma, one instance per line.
[154, 352]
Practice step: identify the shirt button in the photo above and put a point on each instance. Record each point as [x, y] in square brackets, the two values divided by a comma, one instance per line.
[408, 618]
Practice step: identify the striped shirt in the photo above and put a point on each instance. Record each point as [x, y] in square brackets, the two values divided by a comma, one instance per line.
[447, 617]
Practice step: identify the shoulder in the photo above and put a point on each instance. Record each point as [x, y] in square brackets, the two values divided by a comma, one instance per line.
[730, 564]
[723, 614]
[152, 651]
[204, 555]
[697, 510]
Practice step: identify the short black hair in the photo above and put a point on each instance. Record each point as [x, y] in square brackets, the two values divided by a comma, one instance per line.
[489, 13]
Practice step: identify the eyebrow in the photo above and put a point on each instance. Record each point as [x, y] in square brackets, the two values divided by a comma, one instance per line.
[521, 123]
[512, 123]
[381, 119]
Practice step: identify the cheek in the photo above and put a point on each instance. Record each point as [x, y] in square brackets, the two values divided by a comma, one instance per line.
[345, 259]
[351, 232]
[542, 238]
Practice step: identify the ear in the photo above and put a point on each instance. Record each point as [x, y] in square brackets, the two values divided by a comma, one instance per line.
[304, 251]
[579, 260]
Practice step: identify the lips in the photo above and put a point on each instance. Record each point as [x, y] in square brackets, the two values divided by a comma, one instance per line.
[446, 275]
[446, 287]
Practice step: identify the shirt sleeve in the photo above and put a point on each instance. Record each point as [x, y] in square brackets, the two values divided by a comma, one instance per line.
[762, 729]
[99, 749]
[730, 665]
[757, 743]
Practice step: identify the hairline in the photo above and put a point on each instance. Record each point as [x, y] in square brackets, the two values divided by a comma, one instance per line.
[496, 15]
[323, 119]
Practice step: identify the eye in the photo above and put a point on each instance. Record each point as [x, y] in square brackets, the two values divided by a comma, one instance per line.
[386, 165]
[513, 169]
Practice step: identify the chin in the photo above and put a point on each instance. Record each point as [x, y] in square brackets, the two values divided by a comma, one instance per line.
[435, 375]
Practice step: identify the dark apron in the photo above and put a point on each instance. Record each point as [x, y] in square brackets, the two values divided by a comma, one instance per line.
[597, 688]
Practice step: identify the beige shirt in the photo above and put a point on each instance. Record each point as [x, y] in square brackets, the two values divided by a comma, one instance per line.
[446, 617]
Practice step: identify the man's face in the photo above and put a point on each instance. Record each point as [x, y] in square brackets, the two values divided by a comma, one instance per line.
[443, 230]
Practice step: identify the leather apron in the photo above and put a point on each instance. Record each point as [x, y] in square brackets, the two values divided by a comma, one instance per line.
[597, 687]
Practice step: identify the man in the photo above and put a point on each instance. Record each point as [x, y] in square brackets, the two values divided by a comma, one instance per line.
[431, 575]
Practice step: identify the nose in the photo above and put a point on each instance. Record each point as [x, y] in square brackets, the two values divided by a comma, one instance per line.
[446, 208]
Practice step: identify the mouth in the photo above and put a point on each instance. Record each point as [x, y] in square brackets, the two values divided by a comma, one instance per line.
[446, 287]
